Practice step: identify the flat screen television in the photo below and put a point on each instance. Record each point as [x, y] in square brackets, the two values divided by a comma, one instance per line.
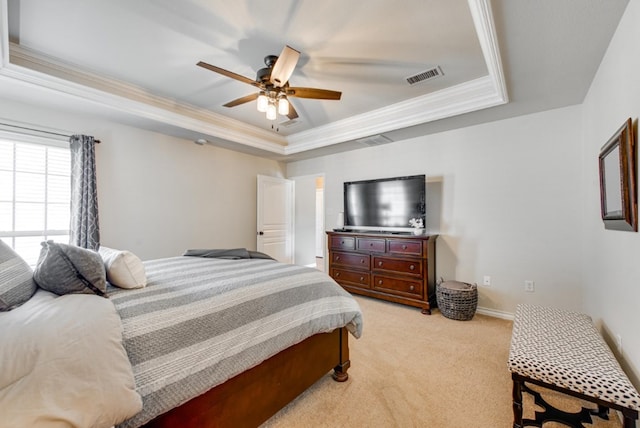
[385, 204]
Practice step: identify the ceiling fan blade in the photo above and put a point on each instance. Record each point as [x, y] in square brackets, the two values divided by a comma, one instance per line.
[320, 94]
[242, 100]
[293, 114]
[229, 74]
[284, 66]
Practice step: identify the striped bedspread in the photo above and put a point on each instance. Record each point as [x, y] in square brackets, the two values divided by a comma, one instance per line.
[201, 321]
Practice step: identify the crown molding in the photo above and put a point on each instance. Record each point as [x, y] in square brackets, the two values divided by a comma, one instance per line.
[482, 15]
[463, 98]
[39, 70]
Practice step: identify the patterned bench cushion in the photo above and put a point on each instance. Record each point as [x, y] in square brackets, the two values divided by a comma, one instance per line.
[564, 349]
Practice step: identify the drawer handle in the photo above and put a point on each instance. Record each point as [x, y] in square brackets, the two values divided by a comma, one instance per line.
[411, 288]
[337, 274]
[337, 258]
[362, 279]
[362, 261]
[404, 247]
[412, 267]
[380, 282]
[380, 264]
[371, 244]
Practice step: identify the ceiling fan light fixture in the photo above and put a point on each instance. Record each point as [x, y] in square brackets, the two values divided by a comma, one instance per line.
[263, 102]
[271, 112]
[283, 105]
[273, 84]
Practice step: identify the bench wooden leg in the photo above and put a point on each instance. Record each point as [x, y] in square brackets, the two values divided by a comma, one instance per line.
[517, 402]
[630, 418]
[602, 412]
[550, 413]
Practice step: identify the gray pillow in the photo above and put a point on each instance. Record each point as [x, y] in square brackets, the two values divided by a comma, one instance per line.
[65, 269]
[16, 279]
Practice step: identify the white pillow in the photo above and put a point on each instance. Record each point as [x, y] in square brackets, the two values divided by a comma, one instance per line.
[124, 269]
[63, 364]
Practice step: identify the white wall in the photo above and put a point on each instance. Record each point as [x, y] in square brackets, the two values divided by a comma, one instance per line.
[505, 198]
[611, 261]
[159, 195]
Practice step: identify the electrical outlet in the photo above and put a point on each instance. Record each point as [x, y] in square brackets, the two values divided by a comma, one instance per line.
[619, 343]
[529, 286]
[486, 280]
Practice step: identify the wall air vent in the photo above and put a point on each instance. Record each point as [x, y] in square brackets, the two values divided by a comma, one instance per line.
[425, 75]
[374, 140]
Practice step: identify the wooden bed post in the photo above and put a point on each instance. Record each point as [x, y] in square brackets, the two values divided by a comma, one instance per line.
[340, 371]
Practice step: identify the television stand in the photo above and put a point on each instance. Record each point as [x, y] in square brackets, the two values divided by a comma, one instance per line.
[389, 266]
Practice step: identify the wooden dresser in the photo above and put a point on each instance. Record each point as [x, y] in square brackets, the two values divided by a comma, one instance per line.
[395, 267]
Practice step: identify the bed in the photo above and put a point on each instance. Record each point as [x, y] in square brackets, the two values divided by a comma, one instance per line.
[209, 342]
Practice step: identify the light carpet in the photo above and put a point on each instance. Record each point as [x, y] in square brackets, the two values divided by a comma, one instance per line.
[414, 370]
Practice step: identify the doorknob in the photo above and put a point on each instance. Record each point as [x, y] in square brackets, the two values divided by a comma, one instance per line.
[261, 233]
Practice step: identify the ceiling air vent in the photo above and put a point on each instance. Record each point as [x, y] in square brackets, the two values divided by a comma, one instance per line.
[374, 140]
[289, 123]
[425, 75]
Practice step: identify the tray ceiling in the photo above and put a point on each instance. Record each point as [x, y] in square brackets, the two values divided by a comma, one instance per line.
[136, 61]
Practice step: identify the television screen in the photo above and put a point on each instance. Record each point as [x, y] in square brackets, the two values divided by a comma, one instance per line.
[386, 204]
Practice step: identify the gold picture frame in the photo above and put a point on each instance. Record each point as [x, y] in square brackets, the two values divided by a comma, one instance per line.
[617, 167]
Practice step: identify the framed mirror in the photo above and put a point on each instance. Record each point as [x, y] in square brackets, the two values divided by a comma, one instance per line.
[617, 164]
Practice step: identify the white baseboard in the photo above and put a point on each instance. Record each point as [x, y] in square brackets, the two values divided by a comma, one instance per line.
[494, 313]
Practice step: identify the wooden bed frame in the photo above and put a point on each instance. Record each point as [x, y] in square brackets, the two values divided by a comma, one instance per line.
[252, 397]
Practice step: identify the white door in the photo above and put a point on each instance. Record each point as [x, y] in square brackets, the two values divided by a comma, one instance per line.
[275, 218]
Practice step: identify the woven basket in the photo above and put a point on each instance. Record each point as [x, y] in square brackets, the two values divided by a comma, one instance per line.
[457, 300]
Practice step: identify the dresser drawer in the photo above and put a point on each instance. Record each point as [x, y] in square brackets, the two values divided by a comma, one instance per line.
[353, 278]
[410, 267]
[371, 244]
[394, 267]
[405, 246]
[406, 287]
[358, 261]
[343, 242]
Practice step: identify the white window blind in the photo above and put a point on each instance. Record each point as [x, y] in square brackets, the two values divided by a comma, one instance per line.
[35, 195]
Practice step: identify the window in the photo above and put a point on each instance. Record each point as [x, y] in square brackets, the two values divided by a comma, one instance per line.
[35, 196]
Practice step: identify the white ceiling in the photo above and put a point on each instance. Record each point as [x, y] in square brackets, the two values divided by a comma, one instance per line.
[134, 61]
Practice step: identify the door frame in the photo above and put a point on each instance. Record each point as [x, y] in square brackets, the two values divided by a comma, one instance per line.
[322, 214]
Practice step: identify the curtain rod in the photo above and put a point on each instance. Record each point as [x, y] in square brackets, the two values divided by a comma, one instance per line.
[43, 131]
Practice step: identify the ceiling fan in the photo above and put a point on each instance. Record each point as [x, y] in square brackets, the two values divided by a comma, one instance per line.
[273, 82]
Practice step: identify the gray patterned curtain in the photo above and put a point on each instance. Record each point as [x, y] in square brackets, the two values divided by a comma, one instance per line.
[85, 230]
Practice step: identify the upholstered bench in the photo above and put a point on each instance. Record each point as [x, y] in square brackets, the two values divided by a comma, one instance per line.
[563, 351]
